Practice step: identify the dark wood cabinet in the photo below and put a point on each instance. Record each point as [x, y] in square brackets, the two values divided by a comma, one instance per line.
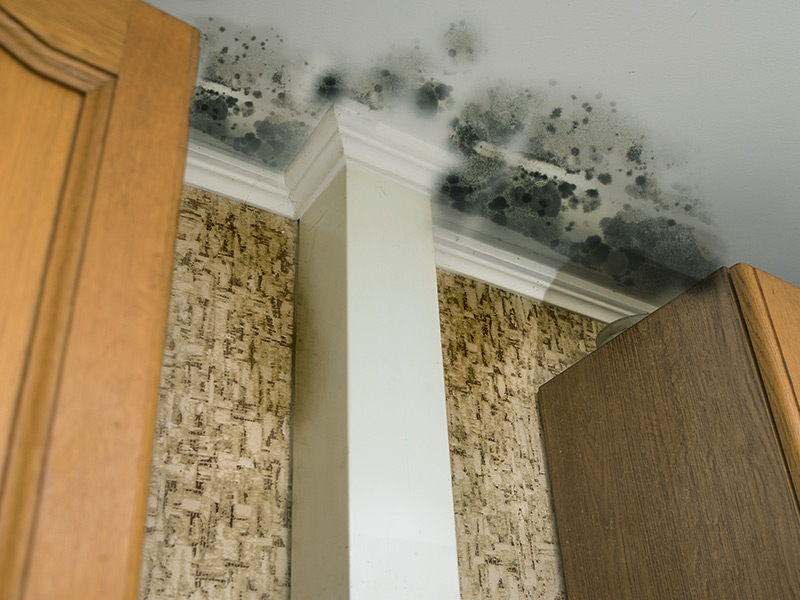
[673, 449]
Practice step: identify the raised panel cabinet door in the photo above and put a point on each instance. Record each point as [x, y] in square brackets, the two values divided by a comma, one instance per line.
[40, 122]
[95, 108]
[667, 474]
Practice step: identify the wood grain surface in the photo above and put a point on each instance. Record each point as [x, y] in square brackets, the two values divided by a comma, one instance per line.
[92, 31]
[40, 114]
[87, 535]
[36, 394]
[667, 475]
[40, 58]
[771, 310]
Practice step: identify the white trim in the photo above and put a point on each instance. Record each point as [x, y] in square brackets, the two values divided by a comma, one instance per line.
[532, 278]
[397, 155]
[319, 160]
[218, 172]
[371, 462]
[342, 136]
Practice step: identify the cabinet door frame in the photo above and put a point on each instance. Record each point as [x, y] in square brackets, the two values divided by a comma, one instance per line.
[31, 416]
[74, 482]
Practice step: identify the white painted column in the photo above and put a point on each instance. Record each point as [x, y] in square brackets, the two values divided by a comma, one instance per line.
[372, 508]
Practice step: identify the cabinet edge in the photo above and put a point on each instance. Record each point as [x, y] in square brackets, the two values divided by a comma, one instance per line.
[781, 397]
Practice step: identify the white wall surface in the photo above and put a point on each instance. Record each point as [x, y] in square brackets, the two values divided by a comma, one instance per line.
[373, 505]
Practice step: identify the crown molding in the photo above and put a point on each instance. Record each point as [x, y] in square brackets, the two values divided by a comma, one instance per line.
[317, 162]
[418, 164]
[539, 279]
[344, 137]
[216, 171]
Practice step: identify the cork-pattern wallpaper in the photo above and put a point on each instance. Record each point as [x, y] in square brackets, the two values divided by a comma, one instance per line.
[218, 511]
[498, 349]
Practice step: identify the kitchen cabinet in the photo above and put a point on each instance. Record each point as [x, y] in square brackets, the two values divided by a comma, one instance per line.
[673, 449]
[95, 107]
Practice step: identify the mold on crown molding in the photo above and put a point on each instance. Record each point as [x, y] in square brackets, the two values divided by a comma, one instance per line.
[344, 136]
[565, 175]
[341, 136]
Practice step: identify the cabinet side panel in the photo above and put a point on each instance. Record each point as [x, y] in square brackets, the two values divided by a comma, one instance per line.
[667, 476]
[771, 310]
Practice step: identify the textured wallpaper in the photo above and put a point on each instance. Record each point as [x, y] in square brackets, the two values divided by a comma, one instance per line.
[218, 512]
[498, 349]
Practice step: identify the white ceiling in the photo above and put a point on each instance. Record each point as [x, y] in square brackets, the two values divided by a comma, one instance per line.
[691, 108]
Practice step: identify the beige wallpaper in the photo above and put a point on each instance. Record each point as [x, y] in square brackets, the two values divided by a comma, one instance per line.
[218, 513]
[498, 349]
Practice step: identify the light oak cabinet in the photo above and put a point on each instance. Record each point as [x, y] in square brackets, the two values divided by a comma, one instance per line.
[95, 109]
[673, 449]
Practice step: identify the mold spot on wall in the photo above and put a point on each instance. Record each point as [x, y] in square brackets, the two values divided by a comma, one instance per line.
[565, 168]
[257, 80]
[210, 111]
[432, 97]
[330, 86]
[645, 235]
[279, 137]
[461, 42]
[634, 154]
[542, 156]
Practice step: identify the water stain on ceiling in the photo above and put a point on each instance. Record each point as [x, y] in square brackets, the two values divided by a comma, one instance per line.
[568, 171]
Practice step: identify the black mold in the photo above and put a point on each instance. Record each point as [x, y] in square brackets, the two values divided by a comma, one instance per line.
[457, 192]
[566, 189]
[210, 111]
[659, 238]
[330, 86]
[635, 154]
[525, 154]
[591, 203]
[547, 199]
[500, 219]
[429, 97]
[496, 124]
[461, 42]
[498, 204]
[248, 143]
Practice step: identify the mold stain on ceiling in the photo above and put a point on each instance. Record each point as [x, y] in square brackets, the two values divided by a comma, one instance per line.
[568, 171]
